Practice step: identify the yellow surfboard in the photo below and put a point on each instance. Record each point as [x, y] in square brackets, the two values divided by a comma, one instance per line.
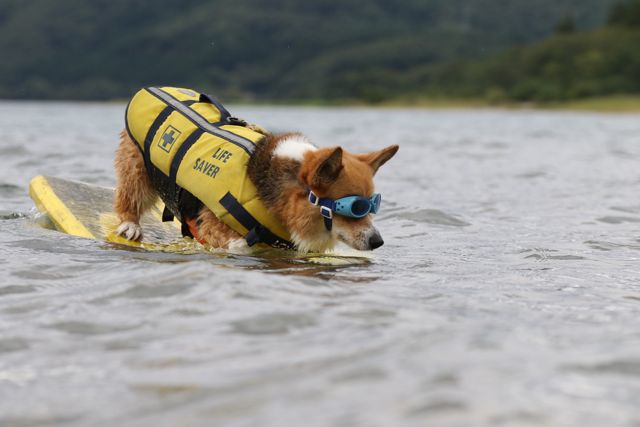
[86, 210]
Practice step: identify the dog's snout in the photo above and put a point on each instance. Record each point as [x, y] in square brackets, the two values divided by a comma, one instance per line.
[375, 241]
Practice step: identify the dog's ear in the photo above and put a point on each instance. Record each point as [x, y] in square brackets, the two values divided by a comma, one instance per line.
[329, 169]
[379, 158]
[324, 168]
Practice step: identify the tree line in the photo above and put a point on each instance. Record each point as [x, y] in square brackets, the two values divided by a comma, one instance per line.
[325, 50]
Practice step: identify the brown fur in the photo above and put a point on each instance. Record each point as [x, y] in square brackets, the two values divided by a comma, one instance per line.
[283, 186]
[329, 172]
[334, 173]
[134, 192]
[213, 231]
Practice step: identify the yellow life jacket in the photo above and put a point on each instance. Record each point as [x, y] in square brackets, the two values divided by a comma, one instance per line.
[191, 143]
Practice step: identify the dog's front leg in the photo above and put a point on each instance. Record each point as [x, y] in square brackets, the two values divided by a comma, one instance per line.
[134, 191]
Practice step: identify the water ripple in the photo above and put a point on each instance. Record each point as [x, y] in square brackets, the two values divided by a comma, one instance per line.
[17, 289]
[89, 328]
[630, 367]
[8, 215]
[153, 291]
[617, 219]
[272, 323]
[433, 216]
[8, 345]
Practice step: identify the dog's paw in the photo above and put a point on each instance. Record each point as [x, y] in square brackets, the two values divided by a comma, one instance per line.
[238, 247]
[130, 231]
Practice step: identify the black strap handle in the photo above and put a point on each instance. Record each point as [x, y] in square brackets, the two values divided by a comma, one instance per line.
[224, 114]
[257, 232]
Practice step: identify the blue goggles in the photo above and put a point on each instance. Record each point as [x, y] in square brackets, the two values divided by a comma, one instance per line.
[350, 206]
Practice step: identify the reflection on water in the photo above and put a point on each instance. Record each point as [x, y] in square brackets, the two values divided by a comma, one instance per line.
[506, 293]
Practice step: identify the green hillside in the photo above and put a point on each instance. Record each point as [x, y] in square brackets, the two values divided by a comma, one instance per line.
[262, 49]
[570, 65]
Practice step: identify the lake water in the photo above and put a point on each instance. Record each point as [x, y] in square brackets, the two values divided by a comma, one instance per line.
[507, 292]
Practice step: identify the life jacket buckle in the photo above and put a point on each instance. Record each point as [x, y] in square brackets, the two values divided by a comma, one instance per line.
[253, 236]
[236, 121]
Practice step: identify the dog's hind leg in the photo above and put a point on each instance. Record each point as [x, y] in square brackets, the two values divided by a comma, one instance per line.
[215, 232]
[134, 191]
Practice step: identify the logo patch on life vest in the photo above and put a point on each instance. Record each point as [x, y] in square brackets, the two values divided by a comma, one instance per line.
[168, 138]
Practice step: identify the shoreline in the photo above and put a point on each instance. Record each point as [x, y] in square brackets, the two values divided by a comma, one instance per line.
[605, 104]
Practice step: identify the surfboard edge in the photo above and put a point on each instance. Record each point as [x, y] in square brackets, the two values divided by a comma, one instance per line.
[48, 203]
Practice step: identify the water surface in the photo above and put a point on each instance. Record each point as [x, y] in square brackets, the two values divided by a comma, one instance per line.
[506, 293]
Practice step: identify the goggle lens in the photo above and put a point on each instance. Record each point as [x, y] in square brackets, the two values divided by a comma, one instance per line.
[360, 207]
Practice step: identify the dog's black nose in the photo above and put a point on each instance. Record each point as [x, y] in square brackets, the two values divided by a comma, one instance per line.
[375, 241]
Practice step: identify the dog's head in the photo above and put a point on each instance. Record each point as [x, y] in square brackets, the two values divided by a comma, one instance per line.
[333, 174]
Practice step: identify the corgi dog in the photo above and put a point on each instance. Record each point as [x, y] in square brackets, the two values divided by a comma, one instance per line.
[321, 196]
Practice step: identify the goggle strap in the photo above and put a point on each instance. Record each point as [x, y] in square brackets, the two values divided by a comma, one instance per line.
[328, 223]
[326, 212]
[327, 206]
[313, 198]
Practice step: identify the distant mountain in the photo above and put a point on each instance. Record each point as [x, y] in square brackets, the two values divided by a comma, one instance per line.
[259, 49]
